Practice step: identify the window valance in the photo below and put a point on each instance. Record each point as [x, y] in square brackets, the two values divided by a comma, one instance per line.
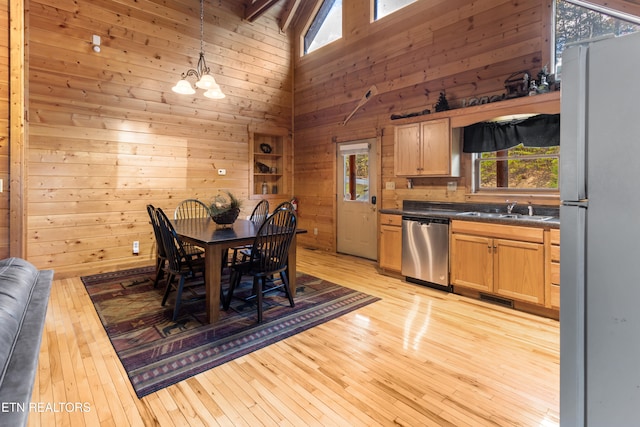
[542, 130]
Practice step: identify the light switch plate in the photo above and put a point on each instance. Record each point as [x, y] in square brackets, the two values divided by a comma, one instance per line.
[390, 185]
[452, 186]
[222, 171]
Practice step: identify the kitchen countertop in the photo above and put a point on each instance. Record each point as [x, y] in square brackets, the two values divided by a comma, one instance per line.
[452, 211]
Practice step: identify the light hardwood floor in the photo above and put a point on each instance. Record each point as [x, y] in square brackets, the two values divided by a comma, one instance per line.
[418, 357]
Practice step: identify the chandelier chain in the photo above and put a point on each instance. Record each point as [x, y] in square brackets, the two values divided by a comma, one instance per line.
[200, 72]
[201, 26]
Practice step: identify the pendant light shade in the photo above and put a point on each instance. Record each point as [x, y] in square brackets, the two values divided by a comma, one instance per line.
[183, 87]
[214, 93]
[206, 82]
[201, 72]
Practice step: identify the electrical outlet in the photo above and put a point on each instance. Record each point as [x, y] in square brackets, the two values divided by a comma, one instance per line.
[315, 231]
[136, 247]
[452, 186]
[390, 185]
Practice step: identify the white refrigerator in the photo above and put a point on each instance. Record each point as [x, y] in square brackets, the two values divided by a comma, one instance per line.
[600, 234]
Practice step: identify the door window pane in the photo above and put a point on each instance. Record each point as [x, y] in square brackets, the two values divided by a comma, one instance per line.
[356, 177]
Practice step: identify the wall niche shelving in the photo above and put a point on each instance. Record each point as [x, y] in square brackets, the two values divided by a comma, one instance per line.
[270, 162]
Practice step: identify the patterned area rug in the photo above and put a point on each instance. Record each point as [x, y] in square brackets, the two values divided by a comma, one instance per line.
[157, 352]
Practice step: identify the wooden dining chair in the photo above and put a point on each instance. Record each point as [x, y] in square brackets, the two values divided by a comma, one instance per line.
[190, 251]
[269, 254]
[191, 208]
[161, 255]
[258, 216]
[285, 206]
[179, 264]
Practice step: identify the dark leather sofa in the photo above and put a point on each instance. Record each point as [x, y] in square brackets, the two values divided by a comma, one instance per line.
[24, 295]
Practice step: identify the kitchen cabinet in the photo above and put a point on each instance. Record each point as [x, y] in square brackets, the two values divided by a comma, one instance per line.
[270, 160]
[553, 270]
[390, 257]
[428, 148]
[502, 260]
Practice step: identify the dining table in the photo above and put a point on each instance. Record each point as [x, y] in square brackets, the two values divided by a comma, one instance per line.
[215, 239]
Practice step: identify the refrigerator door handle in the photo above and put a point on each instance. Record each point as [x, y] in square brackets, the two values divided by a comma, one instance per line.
[573, 128]
[577, 203]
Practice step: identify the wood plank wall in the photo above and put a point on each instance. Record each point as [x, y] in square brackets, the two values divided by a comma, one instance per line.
[4, 127]
[462, 47]
[107, 135]
[465, 48]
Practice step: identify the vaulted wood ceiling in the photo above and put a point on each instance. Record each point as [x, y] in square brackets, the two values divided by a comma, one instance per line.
[289, 12]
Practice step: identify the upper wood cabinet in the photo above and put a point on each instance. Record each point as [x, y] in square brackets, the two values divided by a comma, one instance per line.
[428, 148]
[270, 160]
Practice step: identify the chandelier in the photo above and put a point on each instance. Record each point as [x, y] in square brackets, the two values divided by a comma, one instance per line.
[201, 72]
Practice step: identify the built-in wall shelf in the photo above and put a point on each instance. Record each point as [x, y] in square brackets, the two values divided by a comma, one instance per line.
[270, 162]
[546, 103]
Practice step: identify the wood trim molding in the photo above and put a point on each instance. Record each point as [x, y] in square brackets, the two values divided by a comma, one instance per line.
[289, 13]
[17, 129]
[257, 8]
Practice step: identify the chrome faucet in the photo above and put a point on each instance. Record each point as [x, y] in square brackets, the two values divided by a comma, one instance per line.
[510, 206]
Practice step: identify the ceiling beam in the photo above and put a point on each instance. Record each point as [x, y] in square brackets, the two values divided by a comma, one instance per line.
[257, 8]
[288, 14]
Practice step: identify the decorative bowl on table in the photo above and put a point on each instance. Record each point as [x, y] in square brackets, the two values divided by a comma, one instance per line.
[225, 208]
[227, 217]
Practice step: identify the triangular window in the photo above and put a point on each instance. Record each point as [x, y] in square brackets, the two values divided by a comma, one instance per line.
[383, 8]
[326, 26]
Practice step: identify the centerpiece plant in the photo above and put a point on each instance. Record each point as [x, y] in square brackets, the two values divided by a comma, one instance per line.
[225, 208]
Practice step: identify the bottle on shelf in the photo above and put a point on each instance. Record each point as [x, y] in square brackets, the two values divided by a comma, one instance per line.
[265, 187]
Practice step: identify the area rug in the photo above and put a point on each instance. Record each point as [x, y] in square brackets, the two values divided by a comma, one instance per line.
[157, 352]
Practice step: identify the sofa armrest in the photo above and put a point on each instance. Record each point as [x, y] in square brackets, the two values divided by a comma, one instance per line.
[17, 384]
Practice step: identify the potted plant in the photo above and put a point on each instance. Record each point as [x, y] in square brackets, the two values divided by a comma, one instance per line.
[225, 208]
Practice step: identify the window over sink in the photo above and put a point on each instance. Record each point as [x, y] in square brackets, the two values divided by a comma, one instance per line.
[525, 169]
[515, 153]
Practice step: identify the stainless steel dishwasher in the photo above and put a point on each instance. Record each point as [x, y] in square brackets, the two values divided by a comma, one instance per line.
[425, 251]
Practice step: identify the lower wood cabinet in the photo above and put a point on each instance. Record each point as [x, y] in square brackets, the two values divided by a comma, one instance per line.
[390, 257]
[553, 268]
[498, 259]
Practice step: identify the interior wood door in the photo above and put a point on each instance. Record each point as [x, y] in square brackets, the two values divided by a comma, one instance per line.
[357, 204]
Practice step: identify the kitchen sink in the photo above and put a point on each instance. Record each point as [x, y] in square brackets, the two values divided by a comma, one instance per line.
[507, 216]
[482, 214]
[527, 217]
